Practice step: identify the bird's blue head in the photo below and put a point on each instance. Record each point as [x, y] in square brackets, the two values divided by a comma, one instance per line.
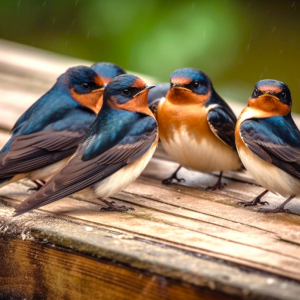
[275, 88]
[107, 71]
[190, 79]
[127, 92]
[84, 85]
[81, 80]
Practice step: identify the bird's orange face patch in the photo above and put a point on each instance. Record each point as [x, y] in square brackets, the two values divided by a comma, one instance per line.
[137, 104]
[93, 100]
[139, 83]
[99, 80]
[268, 105]
[184, 96]
[181, 80]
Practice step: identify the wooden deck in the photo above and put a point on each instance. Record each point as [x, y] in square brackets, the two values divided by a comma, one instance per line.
[181, 242]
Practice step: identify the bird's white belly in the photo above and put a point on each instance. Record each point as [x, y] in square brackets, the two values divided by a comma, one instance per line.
[269, 176]
[204, 154]
[122, 178]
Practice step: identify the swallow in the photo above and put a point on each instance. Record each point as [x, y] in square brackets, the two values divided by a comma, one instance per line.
[156, 94]
[115, 150]
[48, 133]
[268, 141]
[107, 71]
[197, 126]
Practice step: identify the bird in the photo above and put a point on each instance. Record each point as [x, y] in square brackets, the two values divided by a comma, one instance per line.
[117, 147]
[197, 126]
[268, 141]
[155, 96]
[48, 132]
[107, 71]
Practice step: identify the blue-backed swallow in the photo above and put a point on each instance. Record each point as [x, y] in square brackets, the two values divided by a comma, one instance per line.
[107, 71]
[197, 126]
[268, 141]
[116, 149]
[48, 133]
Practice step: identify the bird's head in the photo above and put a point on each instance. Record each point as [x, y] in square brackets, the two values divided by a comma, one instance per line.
[127, 92]
[271, 96]
[189, 86]
[85, 86]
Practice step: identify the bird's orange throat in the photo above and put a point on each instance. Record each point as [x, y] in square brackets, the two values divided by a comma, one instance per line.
[92, 100]
[183, 96]
[268, 105]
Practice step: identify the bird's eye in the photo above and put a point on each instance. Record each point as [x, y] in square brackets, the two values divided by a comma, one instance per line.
[85, 85]
[283, 94]
[255, 93]
[126, 92]
[196, 84]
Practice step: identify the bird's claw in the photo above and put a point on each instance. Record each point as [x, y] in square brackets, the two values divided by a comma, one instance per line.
[252, 202]
[169, 180]
[217, 186]
[274, 210]
[113, 207]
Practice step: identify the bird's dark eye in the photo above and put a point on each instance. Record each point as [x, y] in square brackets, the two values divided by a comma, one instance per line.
[255, 93]
[85, 85]
[126, 92]
[283, 94]
[196, 84]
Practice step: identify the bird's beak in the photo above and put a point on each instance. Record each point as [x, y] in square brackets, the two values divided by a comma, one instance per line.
[147, 88]
[179, 87]
[100, 89]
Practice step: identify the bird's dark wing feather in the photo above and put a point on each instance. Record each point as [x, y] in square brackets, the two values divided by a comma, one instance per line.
[222, 124]
[91, 163]
[33, 151]
[275, 140]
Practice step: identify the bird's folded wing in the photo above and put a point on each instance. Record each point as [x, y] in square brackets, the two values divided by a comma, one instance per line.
[275, 140]
[86, 167]
[37, 150]
[222, 124]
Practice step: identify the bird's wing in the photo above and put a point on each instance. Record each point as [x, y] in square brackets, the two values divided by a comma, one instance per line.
[99, 156]
[222, 122]
[33, 151]
[275, 140]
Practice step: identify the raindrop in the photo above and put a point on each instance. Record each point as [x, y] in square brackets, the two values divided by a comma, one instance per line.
[66, 43]
[88, 35]
[293, 3]
[248, 46]
[19, 2]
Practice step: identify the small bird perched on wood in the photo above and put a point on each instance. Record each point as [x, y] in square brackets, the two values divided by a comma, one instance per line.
[48, 133]
[116, 149]
[197, 126]
[268, 141]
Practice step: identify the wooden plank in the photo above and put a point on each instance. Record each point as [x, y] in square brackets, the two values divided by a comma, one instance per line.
[73, 276]
[106, 243]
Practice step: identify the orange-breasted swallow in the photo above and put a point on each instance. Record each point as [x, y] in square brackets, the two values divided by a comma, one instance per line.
[268, 141]
[197, 126]
[48, 133]
[116, 149]
[107, 71]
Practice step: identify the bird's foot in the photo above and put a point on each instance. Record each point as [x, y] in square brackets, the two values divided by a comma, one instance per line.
[218, 186]
[169, 180]
[253, 202]
[39, 185]
[274, 210]
[112, 207]
[173, 176]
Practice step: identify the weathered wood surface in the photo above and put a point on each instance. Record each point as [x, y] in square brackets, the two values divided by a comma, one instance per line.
[180, 232]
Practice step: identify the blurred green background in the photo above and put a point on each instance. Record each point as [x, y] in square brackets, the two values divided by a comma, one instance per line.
[236, 42]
